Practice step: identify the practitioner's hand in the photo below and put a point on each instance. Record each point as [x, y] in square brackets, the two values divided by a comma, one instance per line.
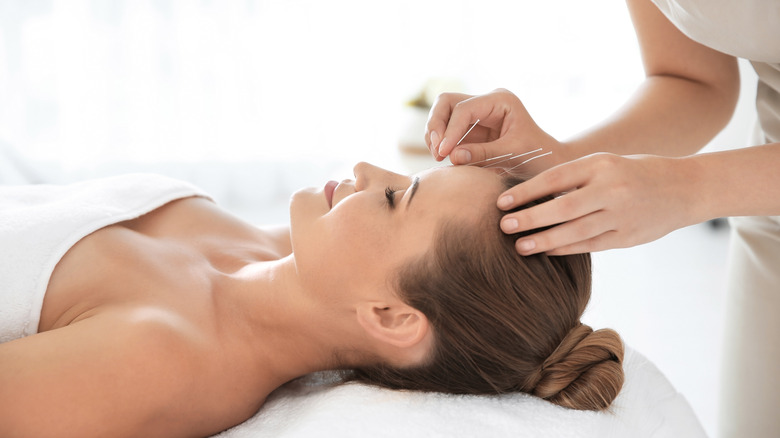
[608, 201]
[504, 126]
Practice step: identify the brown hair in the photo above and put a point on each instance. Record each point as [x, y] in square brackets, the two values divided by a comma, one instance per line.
[504, 322]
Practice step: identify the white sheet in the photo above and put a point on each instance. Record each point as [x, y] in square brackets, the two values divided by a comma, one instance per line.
[647, 407]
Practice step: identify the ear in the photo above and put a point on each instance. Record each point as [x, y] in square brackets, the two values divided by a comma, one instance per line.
[396, 324]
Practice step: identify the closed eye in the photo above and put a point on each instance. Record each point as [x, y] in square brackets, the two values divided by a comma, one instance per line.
[390, 195]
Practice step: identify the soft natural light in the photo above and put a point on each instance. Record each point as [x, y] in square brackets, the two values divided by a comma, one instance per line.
[85, 82]
[254, 99]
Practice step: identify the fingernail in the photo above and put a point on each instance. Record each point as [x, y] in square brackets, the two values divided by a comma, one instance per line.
[462, 156]
[434, 139]
[526, 245]
[441, 146]
[505, 201]
[509, 225]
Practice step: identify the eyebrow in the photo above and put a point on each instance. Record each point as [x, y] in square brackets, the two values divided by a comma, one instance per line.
[413, 190]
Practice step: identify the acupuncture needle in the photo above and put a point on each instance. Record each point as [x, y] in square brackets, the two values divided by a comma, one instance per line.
[461, 139]
[526, 161]
[491, 159]
[514, 157]
[467, 133]
[505, 159]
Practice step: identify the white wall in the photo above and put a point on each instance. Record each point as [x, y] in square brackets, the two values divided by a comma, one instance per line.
[84, 82]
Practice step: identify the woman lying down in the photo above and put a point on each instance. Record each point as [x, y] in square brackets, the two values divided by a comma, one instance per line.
[134, 306]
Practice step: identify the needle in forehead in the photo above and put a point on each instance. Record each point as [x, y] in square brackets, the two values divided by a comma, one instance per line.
[513, 158]
[467, 133]
[506, 157]
[491, 159]
[530, 159]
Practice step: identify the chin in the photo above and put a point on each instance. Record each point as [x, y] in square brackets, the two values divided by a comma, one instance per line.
[309, 198]
[306, 205]
[300, 204]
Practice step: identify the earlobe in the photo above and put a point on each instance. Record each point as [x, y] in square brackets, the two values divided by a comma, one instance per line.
[399, 325]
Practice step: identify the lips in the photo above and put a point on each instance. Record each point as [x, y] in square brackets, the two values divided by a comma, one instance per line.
[330, 187]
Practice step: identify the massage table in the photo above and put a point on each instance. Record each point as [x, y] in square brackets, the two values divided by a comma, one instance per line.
[316, 406]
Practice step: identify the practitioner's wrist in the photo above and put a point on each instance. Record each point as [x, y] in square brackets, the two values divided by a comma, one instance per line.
[698, 193]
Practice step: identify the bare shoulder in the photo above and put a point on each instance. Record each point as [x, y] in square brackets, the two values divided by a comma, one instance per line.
[136, 373]
[200, 220]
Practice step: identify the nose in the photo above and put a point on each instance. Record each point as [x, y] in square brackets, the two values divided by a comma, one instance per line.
[367, 175]
[364, 174]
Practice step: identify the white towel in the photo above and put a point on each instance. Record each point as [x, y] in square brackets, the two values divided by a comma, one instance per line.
[40, 223]
[647, 407]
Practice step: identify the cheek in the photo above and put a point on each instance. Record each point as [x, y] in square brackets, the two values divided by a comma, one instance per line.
[350, 243]
[361, 238]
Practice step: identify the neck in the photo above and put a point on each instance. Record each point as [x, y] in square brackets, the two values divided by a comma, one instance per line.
[288, 331]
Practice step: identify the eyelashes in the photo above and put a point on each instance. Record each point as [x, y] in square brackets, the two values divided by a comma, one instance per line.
[390, 195]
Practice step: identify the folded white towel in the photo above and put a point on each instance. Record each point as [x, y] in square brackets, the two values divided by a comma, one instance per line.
[39, 223]
[647, 407]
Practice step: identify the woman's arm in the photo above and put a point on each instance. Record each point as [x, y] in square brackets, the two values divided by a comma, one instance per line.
[612, 202]
[688, 95]
[98, 377]
[742, 182]
[619, 201]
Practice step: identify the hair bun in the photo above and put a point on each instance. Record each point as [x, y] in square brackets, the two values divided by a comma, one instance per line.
[584, 372]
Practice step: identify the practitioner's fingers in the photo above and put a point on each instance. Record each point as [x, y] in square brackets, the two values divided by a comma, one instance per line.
[439, 118]
[471, 129]
[599, 243]
[578, 235]
[610, 201]
[497, 112]
[462, 119]
[475, 152]
[490, 125]
[568, 207]
[563, 178]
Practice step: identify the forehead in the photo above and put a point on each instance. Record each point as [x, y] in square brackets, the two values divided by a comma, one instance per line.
[482, 179]
[459, 186]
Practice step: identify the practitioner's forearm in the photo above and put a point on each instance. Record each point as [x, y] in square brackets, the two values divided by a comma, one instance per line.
[743, 182]
[667, 116]
[688, 96]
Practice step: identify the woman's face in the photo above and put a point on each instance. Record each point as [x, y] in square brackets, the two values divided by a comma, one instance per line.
[356, 234]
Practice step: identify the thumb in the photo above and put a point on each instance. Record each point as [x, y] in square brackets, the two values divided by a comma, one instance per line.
[475, 152]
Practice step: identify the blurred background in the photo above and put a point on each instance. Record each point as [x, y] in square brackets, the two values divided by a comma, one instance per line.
[254, 99]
